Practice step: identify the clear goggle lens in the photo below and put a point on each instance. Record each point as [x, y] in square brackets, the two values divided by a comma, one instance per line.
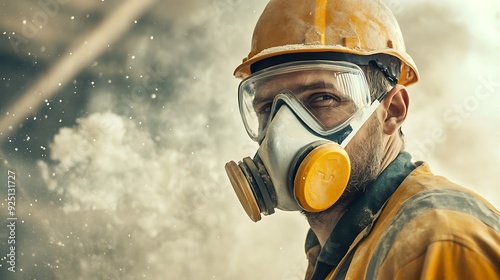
[325, 94]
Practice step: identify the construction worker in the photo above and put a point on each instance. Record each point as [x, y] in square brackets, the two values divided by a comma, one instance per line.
[324, 94]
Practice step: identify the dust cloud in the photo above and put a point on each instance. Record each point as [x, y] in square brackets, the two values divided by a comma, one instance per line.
[135, 188]
[453, 119]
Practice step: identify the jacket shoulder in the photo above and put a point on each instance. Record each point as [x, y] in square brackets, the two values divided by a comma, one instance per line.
[422, 184]
[430, 212]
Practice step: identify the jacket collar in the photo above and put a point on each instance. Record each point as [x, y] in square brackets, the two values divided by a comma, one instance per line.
[360, 214]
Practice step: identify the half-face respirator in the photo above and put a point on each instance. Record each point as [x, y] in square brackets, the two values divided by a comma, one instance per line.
[302, 114]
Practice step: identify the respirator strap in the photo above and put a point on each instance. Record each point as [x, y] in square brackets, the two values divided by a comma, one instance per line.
[356, 125]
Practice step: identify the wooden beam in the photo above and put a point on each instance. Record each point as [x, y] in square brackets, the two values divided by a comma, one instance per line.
[84, 50]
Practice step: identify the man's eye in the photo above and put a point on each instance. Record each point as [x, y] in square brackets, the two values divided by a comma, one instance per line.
[324, 99]
[264, 109]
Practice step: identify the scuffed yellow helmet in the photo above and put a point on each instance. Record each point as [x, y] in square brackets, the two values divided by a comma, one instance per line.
[352, 27]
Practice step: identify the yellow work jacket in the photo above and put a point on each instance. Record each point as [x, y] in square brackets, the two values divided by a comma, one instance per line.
[426, 227]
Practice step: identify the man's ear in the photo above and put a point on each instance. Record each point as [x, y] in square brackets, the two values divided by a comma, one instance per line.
[396, 104]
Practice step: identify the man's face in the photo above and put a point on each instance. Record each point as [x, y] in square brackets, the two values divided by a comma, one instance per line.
[321, 95]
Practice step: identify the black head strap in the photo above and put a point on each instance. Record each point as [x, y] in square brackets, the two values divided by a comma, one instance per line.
[388, 64]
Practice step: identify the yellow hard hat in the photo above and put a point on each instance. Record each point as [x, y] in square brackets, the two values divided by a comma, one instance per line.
[353, 27]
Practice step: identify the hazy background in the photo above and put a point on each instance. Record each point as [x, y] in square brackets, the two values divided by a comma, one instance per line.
[129, 113]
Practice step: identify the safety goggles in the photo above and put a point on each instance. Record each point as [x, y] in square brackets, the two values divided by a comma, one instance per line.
[325, 95]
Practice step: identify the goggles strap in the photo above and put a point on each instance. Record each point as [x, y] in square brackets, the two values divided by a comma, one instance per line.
[388, 64]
